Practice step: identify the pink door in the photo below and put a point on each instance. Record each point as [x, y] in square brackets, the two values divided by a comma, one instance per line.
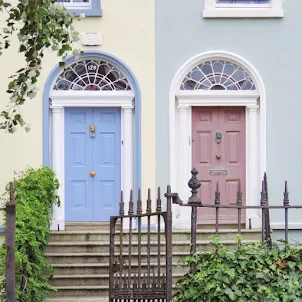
[219, 156]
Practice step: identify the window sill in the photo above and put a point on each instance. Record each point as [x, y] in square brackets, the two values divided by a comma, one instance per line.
[243, 13]
[94, 12]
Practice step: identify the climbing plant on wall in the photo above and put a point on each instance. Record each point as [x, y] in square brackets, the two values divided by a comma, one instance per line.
[39, 25]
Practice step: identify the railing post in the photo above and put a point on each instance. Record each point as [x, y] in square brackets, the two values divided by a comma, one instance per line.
[285, 204]
[169, 247]
[194, 201]
[217, 204]
[10, 234]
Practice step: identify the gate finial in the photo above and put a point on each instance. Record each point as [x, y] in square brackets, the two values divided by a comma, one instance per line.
[131, 206]
[122, 212]
[158, 201]
[149, 209]
[194, 184]
[139, 203]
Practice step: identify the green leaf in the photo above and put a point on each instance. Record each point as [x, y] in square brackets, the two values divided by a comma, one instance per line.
[231, 294]
[291, 264]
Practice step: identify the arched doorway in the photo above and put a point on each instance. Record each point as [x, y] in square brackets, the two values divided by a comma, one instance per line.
[217, 113]
[91, 136]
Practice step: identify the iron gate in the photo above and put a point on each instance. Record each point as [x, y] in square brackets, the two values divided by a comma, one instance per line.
[141, 258]
[140, 267]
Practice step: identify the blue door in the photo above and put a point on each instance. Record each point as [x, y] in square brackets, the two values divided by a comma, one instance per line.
[92, 163]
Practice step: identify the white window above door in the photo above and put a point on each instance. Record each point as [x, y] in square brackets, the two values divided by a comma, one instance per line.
[75, 4]
[243, 9]
[78, 7]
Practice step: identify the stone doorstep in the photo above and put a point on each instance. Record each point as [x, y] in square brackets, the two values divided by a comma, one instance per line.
[78, 299]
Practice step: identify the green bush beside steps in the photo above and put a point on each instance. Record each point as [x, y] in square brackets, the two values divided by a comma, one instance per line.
[252, 272]
[35, 194]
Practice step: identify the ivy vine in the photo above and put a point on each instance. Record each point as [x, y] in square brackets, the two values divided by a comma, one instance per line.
[39, 25]
[35, 193]
[250, 273]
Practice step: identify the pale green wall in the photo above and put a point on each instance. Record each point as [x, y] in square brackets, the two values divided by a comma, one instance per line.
[273, 46]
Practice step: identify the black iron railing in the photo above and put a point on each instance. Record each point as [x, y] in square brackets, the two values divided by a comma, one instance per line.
[194, 202]
[143, 279]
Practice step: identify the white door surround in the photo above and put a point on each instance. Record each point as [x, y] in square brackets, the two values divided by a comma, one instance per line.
[180, 129]
[62, 99]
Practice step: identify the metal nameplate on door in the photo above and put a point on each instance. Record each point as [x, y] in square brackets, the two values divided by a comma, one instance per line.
[218, 172]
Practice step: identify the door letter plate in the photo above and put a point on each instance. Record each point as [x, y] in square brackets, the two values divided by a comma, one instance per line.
[218, 172]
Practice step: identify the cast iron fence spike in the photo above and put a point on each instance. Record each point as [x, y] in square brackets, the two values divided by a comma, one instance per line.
[217, 194]
[158, 201]
[286, 193]
[139, 203]
[239, 194]
[262, 194]
[149, 201]
[122, 211]
[131, 206]
[265, 188]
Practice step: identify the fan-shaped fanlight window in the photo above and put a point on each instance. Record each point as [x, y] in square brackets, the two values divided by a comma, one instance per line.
[217, 75]
[92, 74]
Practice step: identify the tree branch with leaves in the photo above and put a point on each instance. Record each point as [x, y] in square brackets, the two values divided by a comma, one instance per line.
[39, 25]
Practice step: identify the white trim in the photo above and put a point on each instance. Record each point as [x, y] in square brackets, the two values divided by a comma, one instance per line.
[92, 98]
[60, 100]
[214, 10]
[291, 225]
[187, 99]
[217, 98]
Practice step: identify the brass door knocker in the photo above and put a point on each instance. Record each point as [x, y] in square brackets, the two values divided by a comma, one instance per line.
[92, 130]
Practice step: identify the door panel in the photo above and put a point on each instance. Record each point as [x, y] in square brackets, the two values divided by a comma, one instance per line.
[92, 198]
[227, 154]
[78, 163]
[107, 159]
[205, 121]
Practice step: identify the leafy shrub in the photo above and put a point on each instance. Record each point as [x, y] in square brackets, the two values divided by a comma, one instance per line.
[35, 195]
[250, 273]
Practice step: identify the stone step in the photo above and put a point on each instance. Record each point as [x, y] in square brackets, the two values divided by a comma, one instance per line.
[99, 235]
[103, 268]
[88, 226]
[80, 257]
[73, 293]
[78, 299]
[70, 258]
[76, 291]
[92, 280]
[101, 247]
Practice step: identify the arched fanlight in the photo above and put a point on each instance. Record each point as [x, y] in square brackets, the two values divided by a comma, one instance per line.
[92, 74]
[217, 75]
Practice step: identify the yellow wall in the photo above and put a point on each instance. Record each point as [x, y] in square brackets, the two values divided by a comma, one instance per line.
[128, 33]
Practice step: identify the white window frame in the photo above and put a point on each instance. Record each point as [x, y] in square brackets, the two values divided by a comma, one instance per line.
[212, 9]
[75, 5]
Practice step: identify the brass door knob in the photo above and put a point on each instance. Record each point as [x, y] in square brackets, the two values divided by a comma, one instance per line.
[92, 173]
[218, 156]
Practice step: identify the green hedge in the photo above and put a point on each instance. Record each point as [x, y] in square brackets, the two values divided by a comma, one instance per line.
[250, 273]
[35, 195]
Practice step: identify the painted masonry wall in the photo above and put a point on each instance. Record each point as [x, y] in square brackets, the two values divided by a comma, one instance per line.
[274, 47]
[128, 33]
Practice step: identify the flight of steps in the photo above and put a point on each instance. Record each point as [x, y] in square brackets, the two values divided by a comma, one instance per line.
[80, 259]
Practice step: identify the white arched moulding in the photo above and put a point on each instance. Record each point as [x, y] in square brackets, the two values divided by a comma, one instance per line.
[216, 78]
[90, 82]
